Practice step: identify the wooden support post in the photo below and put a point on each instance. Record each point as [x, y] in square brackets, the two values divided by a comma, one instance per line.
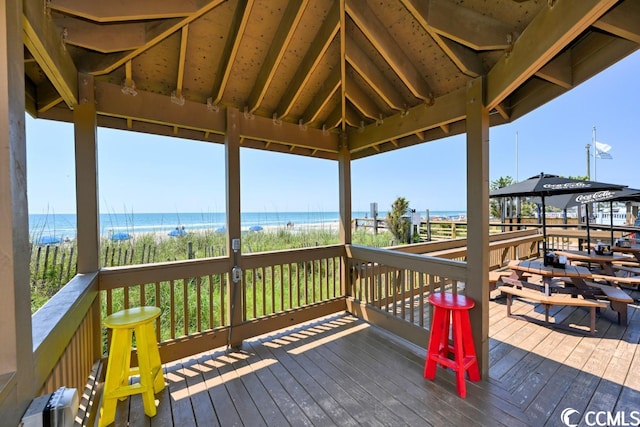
[85, 121]
[232, 170]
[477, 285]
[17, 386]
[344, 182]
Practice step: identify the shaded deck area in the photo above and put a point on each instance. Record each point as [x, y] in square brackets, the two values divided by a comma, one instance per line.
[340, 370]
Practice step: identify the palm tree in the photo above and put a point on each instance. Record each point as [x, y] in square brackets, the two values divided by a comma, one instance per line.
[398, 226]
[496, 205]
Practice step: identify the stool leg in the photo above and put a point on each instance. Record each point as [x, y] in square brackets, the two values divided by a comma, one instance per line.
[458, 347]
[469, 347]
[146, 381]
[445, 348]
[117, 373]
[154, 358]
[435, 342]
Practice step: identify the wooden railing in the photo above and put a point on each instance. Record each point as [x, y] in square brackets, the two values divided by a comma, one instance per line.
[390, 288]
[278, 289]
[195, 295]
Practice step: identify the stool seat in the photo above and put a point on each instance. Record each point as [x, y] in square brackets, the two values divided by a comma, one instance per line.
[131, 317]
[451, 301]
[452, 310]
[126, 324]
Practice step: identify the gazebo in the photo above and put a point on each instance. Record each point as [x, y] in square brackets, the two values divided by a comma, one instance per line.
[332, 79]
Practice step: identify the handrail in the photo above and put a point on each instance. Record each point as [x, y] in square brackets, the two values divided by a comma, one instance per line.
[55, 327]
[196, 299]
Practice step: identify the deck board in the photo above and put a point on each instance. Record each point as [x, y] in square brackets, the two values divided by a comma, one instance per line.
[342, 371]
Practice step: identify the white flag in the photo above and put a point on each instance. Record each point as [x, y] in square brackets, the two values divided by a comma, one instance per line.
[602, 151]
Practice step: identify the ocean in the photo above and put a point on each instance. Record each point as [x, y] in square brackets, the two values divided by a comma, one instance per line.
[63, 226]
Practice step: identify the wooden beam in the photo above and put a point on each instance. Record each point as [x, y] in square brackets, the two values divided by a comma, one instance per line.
[464, 58]
[549, 32]
[622, 21]
[558, 71]
[125, 11]
[155, 108]
[284, 34]
[48, 96]
[311, 61]
[343, 64]
[360, 62]
[45, 44]
[446, 109]
[386, 45]
[466, 26]
[322, 98]
[360, 100]
[159, 35]
[181, 62]
[264, 129]
[239, 23]
[103, 38]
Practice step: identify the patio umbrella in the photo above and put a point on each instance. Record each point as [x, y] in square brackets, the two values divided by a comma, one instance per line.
[544, 186]
[117, 237]
[255, 228]
[48, 240]
[566, 201]
[221, 230]
[178, 232]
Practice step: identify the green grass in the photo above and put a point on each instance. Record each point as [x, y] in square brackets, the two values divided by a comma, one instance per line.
[48, 277]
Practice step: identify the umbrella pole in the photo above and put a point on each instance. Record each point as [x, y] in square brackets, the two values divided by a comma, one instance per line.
[611, 219]
[544, 228]
[588, 233]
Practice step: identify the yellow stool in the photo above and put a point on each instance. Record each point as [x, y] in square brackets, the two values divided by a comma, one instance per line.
[125, 324]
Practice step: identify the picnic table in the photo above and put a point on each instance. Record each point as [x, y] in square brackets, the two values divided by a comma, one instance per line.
[604, 261]
[576, 280]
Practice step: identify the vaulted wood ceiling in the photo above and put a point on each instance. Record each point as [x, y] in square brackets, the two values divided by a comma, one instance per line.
[387, 74]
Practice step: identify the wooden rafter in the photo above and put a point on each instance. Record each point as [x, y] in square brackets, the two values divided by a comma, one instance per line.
[234, 39]
[322, 98]
[360, 100]
[158, 36]
[393, 53]
[548, 33]
[622, 21]
[181, 61]
[138, 10]
[469, 28]
[284, 34]
[463, 57]
[43, 41]
[311, 60]
[359, 61]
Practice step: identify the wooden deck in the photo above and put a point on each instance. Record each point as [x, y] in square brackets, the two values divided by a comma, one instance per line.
[341, 371]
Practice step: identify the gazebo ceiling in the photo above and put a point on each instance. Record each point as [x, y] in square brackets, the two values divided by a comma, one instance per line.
[388, 74]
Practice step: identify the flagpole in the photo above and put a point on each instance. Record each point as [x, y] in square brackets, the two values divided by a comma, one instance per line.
[595, 156]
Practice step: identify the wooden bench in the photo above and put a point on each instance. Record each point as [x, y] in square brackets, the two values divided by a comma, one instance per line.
[618, 299]
[630, 282]
[495, 276]
[549, 300]
[635, 271]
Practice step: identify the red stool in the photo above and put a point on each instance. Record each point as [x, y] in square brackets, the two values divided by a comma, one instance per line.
[448, 307]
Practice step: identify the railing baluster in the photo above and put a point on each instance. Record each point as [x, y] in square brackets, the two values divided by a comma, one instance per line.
[185, 305]
[198, 304]
[172, 309]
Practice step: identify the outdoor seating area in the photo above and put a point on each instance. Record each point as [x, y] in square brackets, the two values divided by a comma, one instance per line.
[340, 369]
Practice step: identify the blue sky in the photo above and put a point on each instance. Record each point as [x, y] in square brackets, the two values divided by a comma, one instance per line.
[144, 173]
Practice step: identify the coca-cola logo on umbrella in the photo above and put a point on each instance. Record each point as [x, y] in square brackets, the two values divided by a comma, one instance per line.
[566, 185]
[594, 197]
